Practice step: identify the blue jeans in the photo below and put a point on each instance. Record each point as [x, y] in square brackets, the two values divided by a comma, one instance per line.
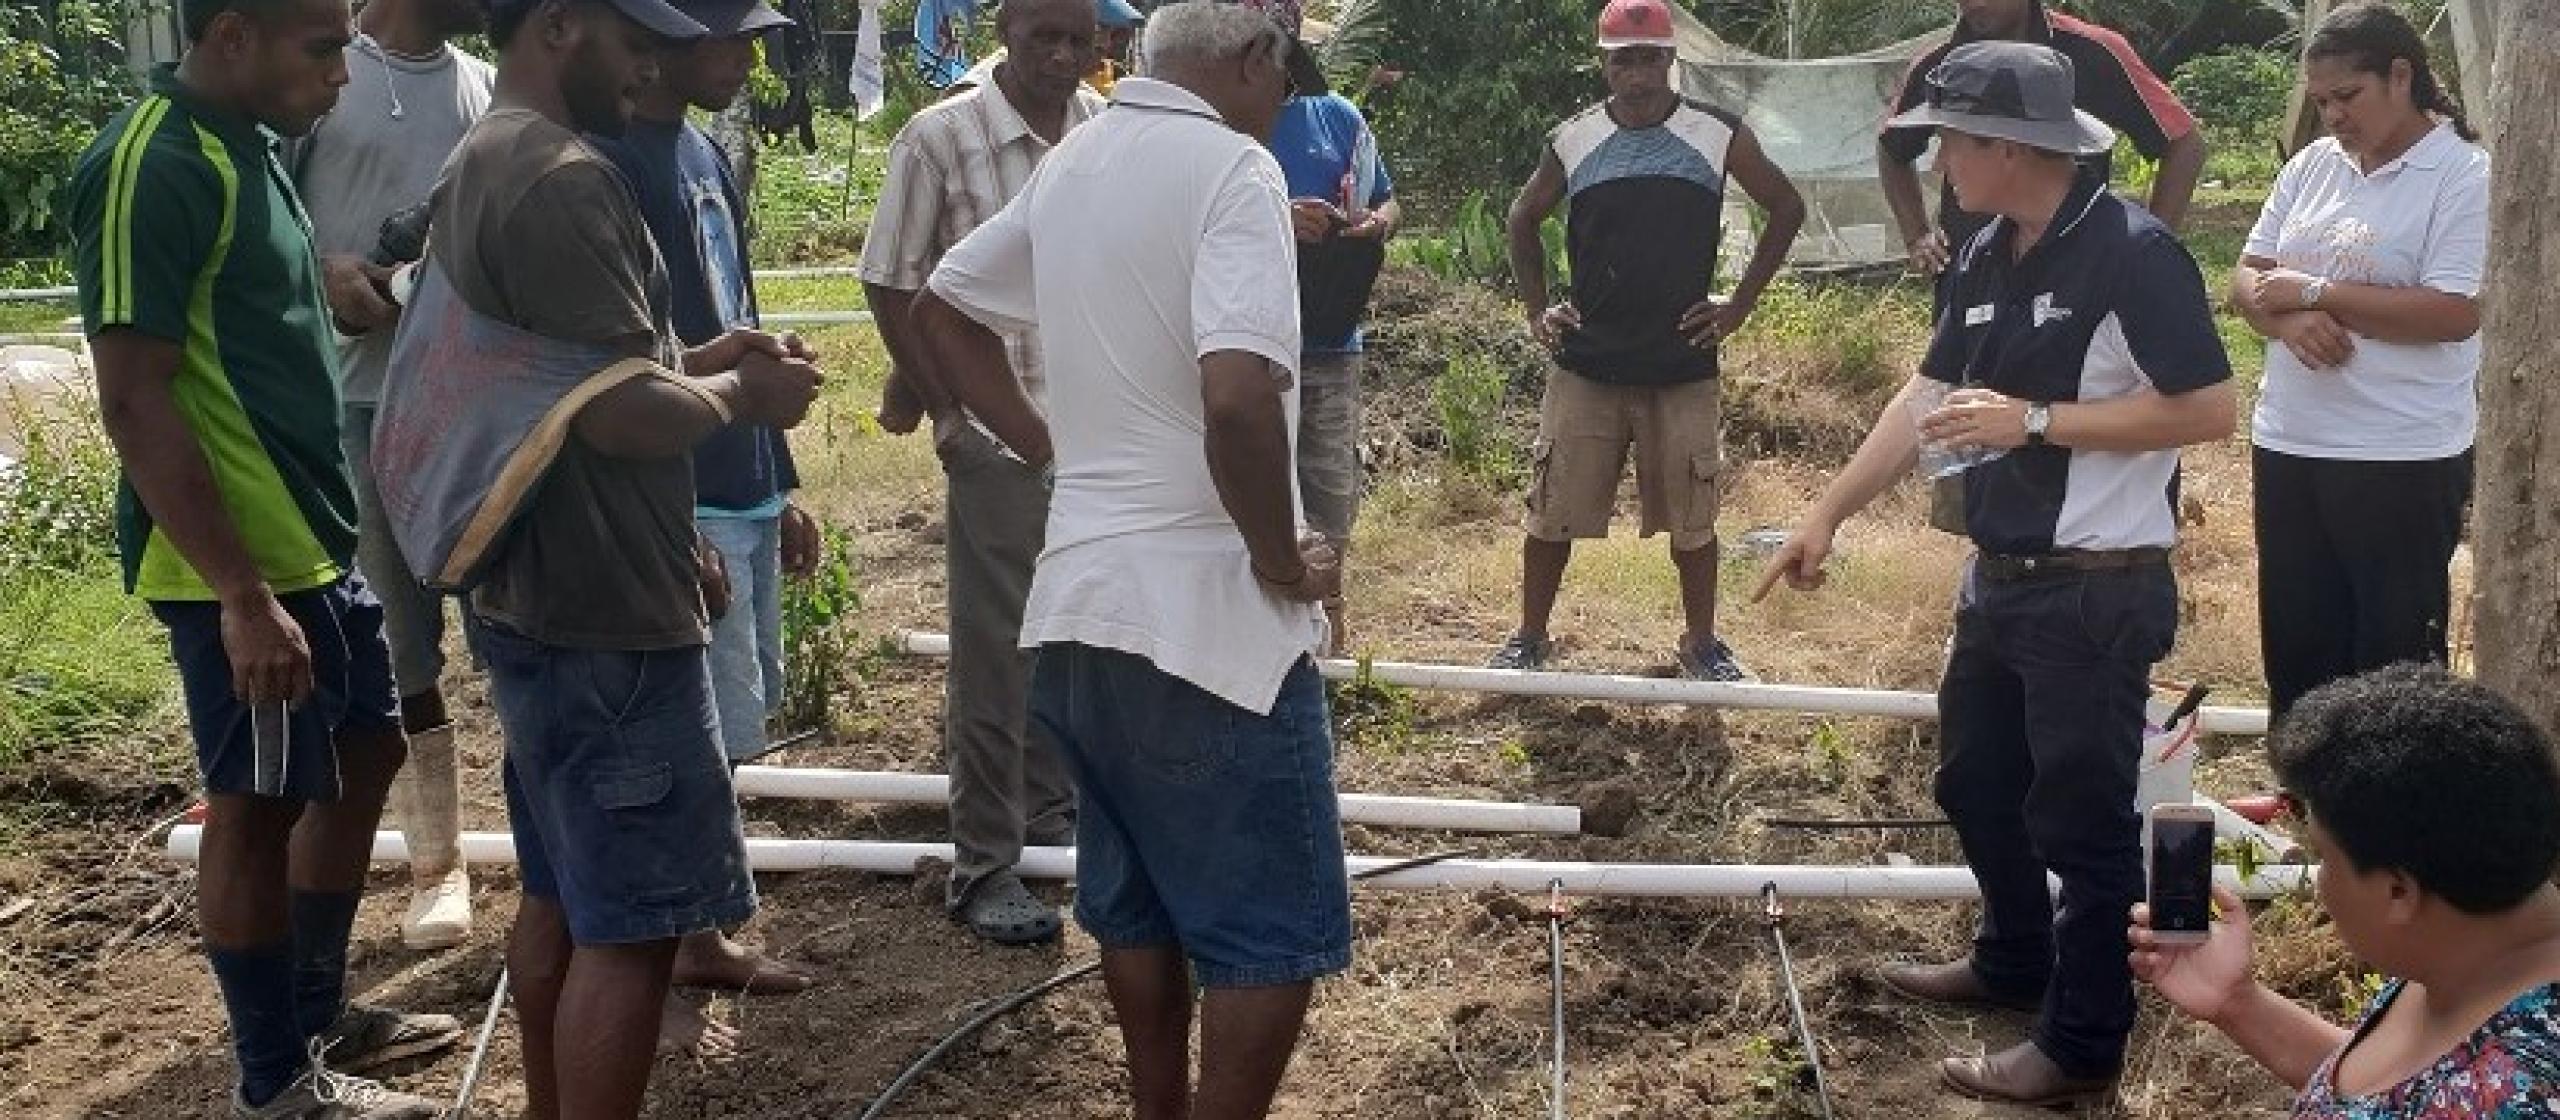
[616, 790]
[746, 643]
[1199, 824]
[2040, 749]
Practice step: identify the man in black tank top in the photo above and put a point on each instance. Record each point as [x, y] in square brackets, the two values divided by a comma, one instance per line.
[1635, 337]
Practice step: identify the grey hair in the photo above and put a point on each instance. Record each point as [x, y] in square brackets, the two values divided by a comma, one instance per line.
[1201, 31]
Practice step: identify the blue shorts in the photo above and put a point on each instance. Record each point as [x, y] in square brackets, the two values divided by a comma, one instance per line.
[616, 789]
[1200, 824]
[352, 692]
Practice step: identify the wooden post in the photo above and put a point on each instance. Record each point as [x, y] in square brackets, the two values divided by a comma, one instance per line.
[2301, 124]
[2475, 49]
[2517, 534]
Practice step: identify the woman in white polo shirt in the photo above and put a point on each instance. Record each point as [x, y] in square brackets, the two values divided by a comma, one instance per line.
[2363, 272]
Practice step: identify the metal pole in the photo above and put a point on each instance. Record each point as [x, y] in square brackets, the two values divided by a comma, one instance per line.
[480, 1050]
[1777, 916]
[1555, 993]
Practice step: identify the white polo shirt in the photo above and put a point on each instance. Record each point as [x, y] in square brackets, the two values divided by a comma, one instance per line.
[2421, 220]
[1151, 237]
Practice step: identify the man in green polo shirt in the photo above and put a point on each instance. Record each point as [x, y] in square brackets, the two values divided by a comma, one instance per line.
[201, 297]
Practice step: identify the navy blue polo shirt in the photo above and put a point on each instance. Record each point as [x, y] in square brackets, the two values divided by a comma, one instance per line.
[2107, 304]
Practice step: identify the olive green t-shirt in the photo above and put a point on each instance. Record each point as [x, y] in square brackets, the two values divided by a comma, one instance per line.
[537, 229]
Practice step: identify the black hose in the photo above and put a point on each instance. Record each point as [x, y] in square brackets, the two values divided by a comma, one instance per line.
[906, 1078]
[1820, 824]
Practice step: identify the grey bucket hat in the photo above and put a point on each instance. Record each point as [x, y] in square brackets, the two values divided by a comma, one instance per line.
[2009, 91]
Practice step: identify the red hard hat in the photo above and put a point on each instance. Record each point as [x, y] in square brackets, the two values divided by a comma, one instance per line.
[1636, 23]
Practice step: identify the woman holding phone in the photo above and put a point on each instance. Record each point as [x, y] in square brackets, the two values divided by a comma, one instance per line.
[2434, 807]
[2362, 274]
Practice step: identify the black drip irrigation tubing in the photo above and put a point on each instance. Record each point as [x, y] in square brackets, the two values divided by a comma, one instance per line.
[907, 1077]
[1824, 824]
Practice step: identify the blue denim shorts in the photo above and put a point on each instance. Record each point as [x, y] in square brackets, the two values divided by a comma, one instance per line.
[1200, 824]
[351, 674]
[616, 788]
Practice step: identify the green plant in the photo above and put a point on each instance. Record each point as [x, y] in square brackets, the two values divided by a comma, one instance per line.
[2239, 95]
[62, 75]
[1469, 394]
[1376, 714]
[57, 505]
[819, 655]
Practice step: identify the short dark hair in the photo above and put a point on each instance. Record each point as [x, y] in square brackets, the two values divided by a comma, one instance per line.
[2370, 37]
[505, 16]
[2412, 769]
[196, 16]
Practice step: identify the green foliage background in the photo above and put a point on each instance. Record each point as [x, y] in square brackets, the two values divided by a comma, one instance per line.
[62, 74]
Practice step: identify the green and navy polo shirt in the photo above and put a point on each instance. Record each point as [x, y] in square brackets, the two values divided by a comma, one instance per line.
[186, 228]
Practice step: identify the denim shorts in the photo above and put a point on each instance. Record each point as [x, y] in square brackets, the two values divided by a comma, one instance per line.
[616, 788]
[351, 674]
[1200, 824]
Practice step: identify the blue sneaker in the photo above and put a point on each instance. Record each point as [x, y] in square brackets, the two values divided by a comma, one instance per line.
[1522, 653]
[1713, 661]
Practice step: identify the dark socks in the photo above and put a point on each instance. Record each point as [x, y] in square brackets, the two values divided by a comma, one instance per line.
[322, 921]
[258, 991]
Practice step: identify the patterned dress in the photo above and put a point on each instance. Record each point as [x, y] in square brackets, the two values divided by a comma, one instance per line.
[2509, 1069]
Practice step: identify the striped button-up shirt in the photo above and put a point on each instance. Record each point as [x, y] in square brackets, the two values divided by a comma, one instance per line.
[951, 168]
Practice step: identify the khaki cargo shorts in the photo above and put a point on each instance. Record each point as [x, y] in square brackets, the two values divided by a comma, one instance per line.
[1585, 430]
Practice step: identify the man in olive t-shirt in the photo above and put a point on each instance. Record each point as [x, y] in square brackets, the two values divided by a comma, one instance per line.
[590, 619]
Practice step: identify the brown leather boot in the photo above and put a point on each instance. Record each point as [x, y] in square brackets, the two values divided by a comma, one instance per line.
[1950, 982]
[2022, 1075]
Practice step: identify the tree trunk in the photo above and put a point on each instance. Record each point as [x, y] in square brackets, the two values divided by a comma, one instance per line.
[2517, 538]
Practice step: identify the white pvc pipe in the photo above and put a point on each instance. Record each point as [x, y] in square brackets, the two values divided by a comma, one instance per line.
[1466, 875]
[1807, 699]
[1381, 810]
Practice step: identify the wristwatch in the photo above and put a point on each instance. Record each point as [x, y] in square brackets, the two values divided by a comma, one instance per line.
[2311, 292]
[2039, 420]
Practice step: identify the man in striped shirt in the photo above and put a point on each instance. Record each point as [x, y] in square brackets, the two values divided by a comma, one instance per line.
[217, 372]
[953, 166]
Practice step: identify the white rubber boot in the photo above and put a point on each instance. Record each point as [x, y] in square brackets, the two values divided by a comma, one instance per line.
[428, 798]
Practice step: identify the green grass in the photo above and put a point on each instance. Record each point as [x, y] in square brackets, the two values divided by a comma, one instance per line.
[39, 317]
[80, 662]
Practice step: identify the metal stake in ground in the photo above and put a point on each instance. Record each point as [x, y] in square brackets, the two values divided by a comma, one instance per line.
[1777, 917]
[1556, 915]
[990, 1012]
[479, 1051]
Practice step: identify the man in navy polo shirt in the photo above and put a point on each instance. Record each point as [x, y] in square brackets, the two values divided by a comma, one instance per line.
[2081, 352]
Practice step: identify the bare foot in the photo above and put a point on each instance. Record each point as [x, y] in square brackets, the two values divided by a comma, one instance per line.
[711, 960]
[684, 1029]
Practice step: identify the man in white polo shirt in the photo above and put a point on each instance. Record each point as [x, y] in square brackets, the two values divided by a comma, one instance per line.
[1175, 609]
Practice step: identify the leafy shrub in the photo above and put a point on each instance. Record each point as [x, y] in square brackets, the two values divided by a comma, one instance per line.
[62, 74]
[818, 653]
[1468, 395]
[2239, 96]
[1484, 82]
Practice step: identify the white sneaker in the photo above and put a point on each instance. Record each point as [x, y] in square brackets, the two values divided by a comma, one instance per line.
[439, 912]
[321, 1095]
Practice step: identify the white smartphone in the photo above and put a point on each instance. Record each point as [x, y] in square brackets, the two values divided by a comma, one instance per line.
[2177, 859]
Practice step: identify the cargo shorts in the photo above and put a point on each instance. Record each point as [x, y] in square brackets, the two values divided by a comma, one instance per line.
[1587, 430]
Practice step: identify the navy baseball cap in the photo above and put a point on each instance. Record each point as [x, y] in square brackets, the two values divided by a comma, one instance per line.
[659, 17]
[724, 18]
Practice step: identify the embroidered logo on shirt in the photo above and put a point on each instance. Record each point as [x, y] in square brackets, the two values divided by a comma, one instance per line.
[1976, 316]
[2046, 312]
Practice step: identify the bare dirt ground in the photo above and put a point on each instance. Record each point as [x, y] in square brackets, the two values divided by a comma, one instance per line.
[1674, 1008]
